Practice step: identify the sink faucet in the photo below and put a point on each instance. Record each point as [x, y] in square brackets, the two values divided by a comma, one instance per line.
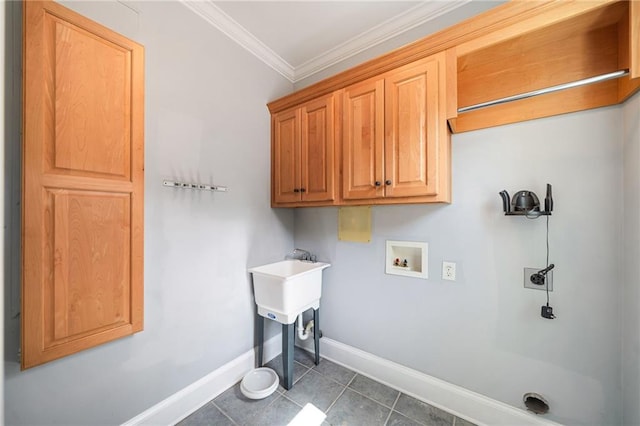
[301, 255]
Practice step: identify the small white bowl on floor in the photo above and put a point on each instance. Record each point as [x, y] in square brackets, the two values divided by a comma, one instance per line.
[259, 383]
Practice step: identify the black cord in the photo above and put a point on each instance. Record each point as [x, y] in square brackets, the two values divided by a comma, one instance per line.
[546, 278]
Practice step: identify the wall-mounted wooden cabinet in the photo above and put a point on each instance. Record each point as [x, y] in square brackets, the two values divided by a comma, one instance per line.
[381, 141]
[395, 108]
[82, 184]
[395, 143]
[303, 153]
[570, 42]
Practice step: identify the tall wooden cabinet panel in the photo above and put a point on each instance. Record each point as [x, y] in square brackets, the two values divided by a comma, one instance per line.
[82, 227]
[318, 163]
[286, 156]
[363, 140]
[412, 115]
[303, 153]
[395, 141]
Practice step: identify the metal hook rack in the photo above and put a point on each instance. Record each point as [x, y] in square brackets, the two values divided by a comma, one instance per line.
[199, 186]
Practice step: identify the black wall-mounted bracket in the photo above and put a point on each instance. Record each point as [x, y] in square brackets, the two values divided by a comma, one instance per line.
[531, 213]
[533, 204]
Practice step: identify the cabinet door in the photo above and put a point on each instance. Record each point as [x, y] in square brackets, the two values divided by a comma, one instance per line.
[82, 192]
[286, 156]
[318, 167]
[363, 140]
[412, 116]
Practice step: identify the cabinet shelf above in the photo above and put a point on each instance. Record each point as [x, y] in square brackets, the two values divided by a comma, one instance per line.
[518, 62]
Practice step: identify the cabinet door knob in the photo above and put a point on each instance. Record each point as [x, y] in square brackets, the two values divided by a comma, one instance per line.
[377, 183]
[387, 182]
[303, 190]
[296, 190]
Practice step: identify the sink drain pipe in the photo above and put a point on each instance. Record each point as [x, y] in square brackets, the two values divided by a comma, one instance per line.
[304, 331]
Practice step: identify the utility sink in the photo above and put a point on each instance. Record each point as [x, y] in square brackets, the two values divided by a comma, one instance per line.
[287, 288]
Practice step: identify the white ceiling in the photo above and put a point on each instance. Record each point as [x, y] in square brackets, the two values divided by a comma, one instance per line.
[300, 38]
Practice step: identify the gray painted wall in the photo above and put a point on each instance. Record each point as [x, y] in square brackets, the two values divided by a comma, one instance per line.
[631, 270]
[206, 121]
[484, 332]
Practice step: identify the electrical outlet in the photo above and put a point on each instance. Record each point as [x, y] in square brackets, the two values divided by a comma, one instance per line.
[529, 284]
[449, 271]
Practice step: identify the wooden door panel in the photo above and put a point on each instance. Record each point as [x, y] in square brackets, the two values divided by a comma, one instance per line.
[83, 184]
[90, 274]
[318, 150]
[363, 140]
[286, 154]
[411, 146]
[87, 136]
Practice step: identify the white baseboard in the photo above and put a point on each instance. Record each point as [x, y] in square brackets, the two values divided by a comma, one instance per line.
[457, 400]
[186, 401]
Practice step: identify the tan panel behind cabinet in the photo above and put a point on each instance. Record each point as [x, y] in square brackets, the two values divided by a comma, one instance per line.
[88, 136]
[354, 224]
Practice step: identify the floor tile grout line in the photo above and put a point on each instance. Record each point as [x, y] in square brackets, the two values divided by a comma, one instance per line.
[281, 395]
[323, 377]
[396, 401]
[368, 397]
[352, 379]
[421, 422]
[386, 422]
[303, 374]
[284, 395]
[391, 409]
[314, 369]
[319, 374]
[341, 393]
[348, 386]
[334, 380]
[393, 406]
[224, 413]
[384, 405]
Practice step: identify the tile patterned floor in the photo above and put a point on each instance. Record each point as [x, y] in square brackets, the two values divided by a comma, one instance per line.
[347, 398]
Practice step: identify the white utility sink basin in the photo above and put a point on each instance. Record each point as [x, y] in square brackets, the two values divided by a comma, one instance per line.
[287, 288]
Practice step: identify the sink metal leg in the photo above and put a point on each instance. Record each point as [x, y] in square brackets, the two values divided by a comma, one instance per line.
[259, 334]
[316, 334]
[288, 335]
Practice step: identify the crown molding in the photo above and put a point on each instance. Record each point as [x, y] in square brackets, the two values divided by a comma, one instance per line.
[236, 32]
[390, 28]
